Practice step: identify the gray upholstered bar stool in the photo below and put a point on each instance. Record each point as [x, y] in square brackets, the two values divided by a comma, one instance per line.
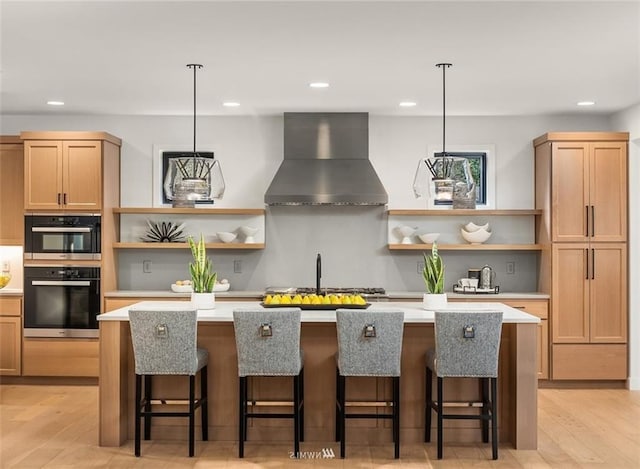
[467, 346]
[164, 343]
[268, 344]
[369, 344]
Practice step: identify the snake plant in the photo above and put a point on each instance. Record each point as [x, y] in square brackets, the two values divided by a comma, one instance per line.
[433, 272]
[202, 276]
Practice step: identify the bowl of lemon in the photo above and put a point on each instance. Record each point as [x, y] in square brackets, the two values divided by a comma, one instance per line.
[314, 301]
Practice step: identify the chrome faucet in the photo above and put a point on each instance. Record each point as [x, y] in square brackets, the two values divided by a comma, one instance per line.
[318, 273]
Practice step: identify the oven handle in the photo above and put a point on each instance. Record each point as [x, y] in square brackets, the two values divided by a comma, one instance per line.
[43, 229]
[63, 283]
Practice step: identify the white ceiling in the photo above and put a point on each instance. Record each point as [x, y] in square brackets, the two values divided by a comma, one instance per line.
[129, 57]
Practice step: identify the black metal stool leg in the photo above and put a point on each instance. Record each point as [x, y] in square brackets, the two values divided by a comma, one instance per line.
[337, 435]
[242, 384]
[204, 406]
[138, 414]
[484, 382]
[192, 411]
[440, 412]
[296, 415]
[147, 406]
[396, 416]
[494, 417]
[342, 394]
[301, 404]
[429, 404]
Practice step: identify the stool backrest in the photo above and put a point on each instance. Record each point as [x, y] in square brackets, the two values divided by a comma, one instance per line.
[369, 342]
[164, 342]
[268, 341]
[467, 343]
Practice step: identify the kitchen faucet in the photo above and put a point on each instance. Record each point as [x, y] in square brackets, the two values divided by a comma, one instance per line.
[318, 273]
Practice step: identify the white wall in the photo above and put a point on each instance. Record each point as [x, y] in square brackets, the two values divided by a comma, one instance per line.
[629, 120]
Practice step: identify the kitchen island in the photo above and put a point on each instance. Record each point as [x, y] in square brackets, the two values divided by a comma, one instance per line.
[517, 379]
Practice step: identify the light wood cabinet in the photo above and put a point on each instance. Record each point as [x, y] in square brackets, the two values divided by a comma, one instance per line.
[63, 175]
[10, 336]
[11, 191]
[588, 190]
[68, 170]
[581, 186]
[61, 357]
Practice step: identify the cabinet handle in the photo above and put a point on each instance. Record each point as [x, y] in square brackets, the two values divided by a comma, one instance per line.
[64, 198]
[586, 225]
[593, 221]
[58, 198]
[586, 256]
[593, 264]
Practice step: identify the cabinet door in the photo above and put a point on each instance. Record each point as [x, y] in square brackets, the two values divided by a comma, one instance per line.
[11, 193]
[43, 175]
[82, 176]
[608, 293]
[608, 191]
[570, 191]
[570, 293]
[10, 345]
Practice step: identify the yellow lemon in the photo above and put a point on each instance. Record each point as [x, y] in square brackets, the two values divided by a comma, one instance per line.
[268, 299]
[296, 300]
[285, 300]
[346, 300]
[326, 300]
[315, 301]
[306, 300]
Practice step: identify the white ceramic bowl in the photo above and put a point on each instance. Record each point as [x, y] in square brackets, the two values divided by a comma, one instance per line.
[470, 227]
[248, 232]
[428, 238]
[221, 287]
[476, 237]
[225, 236]
[181, 288]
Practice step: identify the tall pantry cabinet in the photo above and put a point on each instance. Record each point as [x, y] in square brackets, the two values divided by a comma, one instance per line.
[581, 186]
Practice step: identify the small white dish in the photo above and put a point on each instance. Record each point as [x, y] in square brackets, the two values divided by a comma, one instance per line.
[248, 232]
[471, 227]
[181, 288]
[475, 237]
[406, 232]
[226, 237]
[428, 238]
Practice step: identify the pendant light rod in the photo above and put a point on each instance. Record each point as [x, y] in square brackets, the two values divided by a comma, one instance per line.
[444, 66]
[195, 68]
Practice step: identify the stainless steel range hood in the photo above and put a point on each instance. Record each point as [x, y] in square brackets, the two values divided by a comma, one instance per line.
[326, 162]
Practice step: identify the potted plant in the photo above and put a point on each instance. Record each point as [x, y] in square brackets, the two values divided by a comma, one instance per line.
[433, 275]
[202, 276]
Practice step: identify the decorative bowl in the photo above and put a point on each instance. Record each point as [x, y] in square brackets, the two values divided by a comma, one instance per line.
[225, 236]
[406, 232]
[471, 227]
[248, 232]
[428, 238]
[181, 288]
[476, 237]
[221, 287]
[5, 278]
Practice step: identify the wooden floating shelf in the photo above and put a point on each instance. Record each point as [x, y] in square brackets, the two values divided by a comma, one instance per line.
[457, 212]
[122, 245]
[467, 247]
[190, 211]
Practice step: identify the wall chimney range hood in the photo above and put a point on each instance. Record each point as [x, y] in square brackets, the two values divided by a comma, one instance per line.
[326, 162]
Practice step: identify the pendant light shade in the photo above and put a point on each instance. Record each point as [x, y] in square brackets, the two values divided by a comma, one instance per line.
[443, 177]
[197, 175]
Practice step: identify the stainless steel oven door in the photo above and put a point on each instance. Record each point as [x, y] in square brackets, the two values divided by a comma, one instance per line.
[61, 308]
[52, 237]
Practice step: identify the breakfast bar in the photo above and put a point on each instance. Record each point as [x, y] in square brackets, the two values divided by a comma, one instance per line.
[517, 378]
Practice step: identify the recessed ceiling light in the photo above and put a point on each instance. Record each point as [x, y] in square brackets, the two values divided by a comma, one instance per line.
[586, 103]
[55, 103]
[319, 84]
[407, 104]
[231, 104]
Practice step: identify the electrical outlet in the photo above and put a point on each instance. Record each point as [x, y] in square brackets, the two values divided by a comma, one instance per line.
[511, 267]
[237, 266]
[146, 267]
[420, 267]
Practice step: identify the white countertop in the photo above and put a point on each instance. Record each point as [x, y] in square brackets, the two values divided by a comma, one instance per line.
[11, 291]
[413, 312]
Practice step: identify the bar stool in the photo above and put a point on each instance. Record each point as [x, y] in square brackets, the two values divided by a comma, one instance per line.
[369, 344]
[164, 343]
[467, 346]
[268, 344]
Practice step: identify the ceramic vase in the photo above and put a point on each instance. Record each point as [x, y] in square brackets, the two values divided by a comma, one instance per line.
[434, 301]
[203, 300]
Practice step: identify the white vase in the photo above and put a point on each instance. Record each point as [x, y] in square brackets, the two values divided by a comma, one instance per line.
[203, 300]
[434, 301]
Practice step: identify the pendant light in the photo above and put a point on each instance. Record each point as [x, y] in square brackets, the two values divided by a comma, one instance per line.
[444, 177]
[198, 176]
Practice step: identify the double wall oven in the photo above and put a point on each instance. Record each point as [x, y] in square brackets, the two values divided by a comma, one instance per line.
[62, 297]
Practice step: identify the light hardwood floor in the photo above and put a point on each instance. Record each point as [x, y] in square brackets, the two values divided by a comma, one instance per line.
[56, 427]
